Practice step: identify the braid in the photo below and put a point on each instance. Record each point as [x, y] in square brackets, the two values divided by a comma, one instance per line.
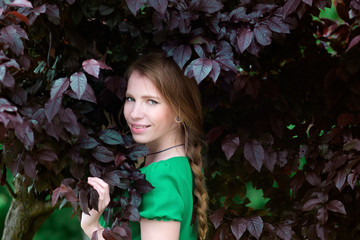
[194, 154]
[202, 197]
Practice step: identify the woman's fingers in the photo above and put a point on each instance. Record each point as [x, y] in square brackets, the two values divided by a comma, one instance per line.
[103, 190]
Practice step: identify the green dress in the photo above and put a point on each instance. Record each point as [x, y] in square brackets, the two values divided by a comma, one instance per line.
[172, 197]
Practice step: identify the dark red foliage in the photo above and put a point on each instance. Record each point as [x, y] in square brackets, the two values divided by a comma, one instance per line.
[281, 98]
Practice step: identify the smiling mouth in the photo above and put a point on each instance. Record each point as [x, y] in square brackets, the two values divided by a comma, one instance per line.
[139, 127]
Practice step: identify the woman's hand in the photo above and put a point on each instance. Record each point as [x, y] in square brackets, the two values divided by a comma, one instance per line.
[90, 223]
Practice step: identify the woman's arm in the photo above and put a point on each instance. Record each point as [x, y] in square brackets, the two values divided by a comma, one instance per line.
[90, 223]
[159, 230]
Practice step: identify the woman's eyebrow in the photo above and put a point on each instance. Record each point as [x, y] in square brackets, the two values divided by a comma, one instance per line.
[150, 96]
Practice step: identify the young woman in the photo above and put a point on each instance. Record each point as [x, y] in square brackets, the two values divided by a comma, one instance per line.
[163, 111]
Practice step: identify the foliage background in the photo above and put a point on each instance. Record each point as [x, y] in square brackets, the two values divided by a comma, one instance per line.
[292, 129]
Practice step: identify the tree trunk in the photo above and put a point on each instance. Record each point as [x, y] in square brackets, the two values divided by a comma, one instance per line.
[26, 214]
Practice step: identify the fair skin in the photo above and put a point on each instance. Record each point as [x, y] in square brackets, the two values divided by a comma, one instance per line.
[153, 123]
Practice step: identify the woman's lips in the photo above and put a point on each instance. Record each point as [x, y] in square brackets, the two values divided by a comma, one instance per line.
[137, 128]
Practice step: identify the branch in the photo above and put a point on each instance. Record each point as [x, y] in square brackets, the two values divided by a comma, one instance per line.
[10, 190]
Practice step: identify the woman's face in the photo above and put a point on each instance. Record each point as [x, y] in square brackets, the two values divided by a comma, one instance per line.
[149, 117]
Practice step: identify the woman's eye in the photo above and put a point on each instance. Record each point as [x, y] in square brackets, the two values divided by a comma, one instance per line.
[152, 102]
[130, 99]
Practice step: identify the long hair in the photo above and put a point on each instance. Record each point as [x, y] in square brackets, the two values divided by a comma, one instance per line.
[183, 96]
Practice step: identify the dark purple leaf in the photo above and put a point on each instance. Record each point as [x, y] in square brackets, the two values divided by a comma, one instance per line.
[215, 71]
[313, 178]
[238, 227]
[103, 154]
[254, 154]
[53, 14]
[239, 14]
[138, 151]
[217, 217]
[284, 232]
[88, 95]
[352, 179]
[78, 83]
[322, 215]
[308, 2]
[174, 20]
[21, 3]
[83, 200]
[112, 178]
[340, 179]
[353, 144]
[88, 143]
[320, 232]
[20, 96]
[225, 60]
[290, 7]
[40, 9]
[209, 6]
[94, 199]
[12, 63]
[59, 87]
[47, 155]
[135, 198]
[143, 186]
[121, 231]
[119, 159]
[262, 34]
[131, 213]
[244, 38]
[56, 194]
[255, 226]
[24, 133]
[336, 162]
[182, 54]
[297, 181]
[12, 35]
[159, 5]
[30, 167]
[201, 67]
[312, 204]
[8, 80]
[77, 170]
[214, 134]
[111, 137]
[52, 107]
[135, 5]
[269, 160]
[353, 43]
[229, 145]
[336, 206]
[169, 48]
[92, 67]
[199, 50]
[282, 158]
[277, 25]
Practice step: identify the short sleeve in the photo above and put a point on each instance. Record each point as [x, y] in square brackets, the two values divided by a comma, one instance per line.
[164, 201]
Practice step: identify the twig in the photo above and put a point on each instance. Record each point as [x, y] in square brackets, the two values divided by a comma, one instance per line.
[10, 190]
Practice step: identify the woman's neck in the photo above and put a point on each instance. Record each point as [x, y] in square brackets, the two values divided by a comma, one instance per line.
[165, 153]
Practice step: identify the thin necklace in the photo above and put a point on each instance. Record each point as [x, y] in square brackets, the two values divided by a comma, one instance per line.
[166, 149]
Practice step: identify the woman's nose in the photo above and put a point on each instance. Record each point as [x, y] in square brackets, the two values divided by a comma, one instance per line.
[136, 111]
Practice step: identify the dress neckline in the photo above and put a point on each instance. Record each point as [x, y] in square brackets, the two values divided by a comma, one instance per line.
[161, 161]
